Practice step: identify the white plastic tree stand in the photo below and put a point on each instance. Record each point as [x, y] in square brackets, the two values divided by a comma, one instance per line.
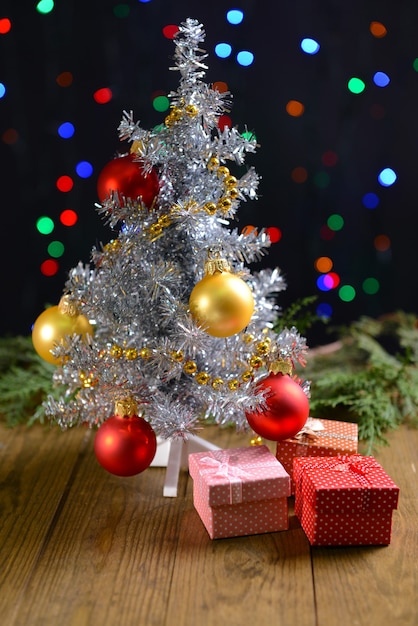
[174, 455]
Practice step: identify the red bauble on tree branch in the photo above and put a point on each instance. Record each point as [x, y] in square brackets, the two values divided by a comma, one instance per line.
[287, 408]
[126, 177]
[125, 444]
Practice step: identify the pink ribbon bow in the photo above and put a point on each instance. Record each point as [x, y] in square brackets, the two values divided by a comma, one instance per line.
[224, 467]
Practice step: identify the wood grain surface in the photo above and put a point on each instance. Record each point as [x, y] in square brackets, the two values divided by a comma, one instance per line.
[80, 547]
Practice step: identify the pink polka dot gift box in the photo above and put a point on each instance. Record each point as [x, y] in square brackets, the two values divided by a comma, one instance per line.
[319, 437]
[240, 491]
[344, 500]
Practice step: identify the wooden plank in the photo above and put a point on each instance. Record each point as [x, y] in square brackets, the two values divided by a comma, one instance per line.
[371, 586]
[110, 555]
[262, 579]
[36, 466]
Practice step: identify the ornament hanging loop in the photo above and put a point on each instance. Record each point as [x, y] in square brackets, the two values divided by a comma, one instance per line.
[214, 263]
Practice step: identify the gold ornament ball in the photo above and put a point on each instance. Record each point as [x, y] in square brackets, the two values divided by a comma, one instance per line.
[222, 303]
[52, 326]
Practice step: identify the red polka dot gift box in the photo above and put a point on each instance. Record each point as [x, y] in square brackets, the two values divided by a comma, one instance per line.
[240, 491]
[319, 437]
[344, 500]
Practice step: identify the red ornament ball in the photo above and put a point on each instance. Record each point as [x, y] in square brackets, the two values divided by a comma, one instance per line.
[125, 446]
[126, 177]
[287, 408]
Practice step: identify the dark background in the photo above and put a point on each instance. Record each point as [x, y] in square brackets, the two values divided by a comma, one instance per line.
[121, 45]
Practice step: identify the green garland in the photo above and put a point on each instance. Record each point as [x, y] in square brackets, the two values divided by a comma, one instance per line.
[369, 376]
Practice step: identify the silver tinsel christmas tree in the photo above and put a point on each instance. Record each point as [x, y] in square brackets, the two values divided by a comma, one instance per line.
[185, 355]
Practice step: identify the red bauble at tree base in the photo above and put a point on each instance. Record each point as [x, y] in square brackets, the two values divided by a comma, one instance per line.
[125, 445]
[125, 176]
[287, 408]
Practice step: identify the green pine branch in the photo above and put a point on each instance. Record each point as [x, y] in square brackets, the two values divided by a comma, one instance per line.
[371, 377]
[25, 381]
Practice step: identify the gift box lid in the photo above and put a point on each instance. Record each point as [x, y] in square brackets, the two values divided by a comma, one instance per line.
[239, 475]
[343, 484]
[326, 434]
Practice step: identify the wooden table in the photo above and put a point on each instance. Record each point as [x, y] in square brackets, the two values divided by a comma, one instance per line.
[80, 547]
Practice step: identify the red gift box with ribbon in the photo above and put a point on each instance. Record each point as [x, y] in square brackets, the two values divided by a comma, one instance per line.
[319, 437]
[240, 491]
[344, 500]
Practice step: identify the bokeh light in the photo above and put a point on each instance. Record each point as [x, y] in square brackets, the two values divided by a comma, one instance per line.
[370, 200]
[274, 233]
[356, 85]
[235, 16]
[103, 95]
[335, 222]
[170, 30]
[299, 174]
[66, 130]
[223, 121]
[381, 243]
[223, 50]
[68, 217]
[2, 90]
[56, 249]
[220, 86]
[381, 79]
[121, 10]
[245, 58]
[49, 267]
[45, 225]
[10, 136]
[329, 158]
[371, 285]
[45, 6]
[321, 180]
[324, 310]
[64, 184]
[309, 46]
[377, 29]
[295, 108]
[387, 177]
[64, 79]
[323, 264]
[347, 293]
[5, 25]
[161, 103]
[84, 169]
[326, 233]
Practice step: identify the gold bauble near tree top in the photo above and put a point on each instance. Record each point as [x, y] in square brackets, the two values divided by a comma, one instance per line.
[221, 302]
[54, 324]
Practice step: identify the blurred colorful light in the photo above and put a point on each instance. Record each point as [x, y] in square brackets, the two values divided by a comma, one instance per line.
[323, 264]
[371, 285]
[84, 169]
[370, 200]
[223, 50]
[56, 249]
[381, 79]
[347, 293]
[324, 310]
[103, 95]
[5, 25]
[335, 222]
[45, 225]
[356, 85]
[49, 267]
[295, 108]
[245, 58]
[274, 233]
[161, 103]
[170, 30]
[66, 130]
[387, 177]
[45, 6]
[309, 46]
[235, 16]
[68, 217]
[377, 29]
[64, 183]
